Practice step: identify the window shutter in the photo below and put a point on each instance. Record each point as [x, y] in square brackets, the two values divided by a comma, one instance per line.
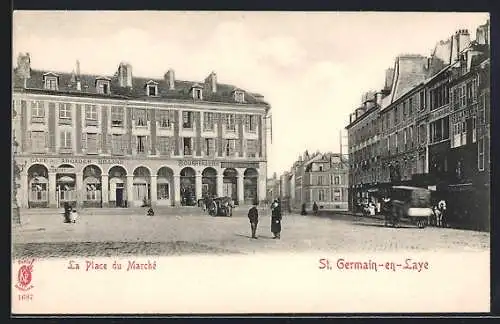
[98, 143]
[84, 142]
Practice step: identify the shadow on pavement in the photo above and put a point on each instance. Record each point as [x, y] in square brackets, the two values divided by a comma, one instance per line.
[380, 225]
[258, 236]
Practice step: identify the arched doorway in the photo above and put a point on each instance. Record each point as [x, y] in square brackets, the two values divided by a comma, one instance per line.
[117, 186]
[38, 184]
[66, 185]
[230, 184]
[188, 187]
[250, 185]
[209, 182]
[93, 186]
[142, 187]
[165, 186]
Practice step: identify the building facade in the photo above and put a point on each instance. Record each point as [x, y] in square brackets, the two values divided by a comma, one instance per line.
[320, 178]
[106, 141]
[427, 128]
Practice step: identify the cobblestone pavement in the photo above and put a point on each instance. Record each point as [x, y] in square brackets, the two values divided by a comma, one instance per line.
[176, 231]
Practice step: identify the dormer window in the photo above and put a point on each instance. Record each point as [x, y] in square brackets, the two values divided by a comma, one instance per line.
[197, 92]
[103, 85]
[51, 81]
[152, 88]
[239, 96]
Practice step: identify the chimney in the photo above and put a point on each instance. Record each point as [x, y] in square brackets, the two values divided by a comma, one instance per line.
[389, 74]
[170, 79]
[483, 34]
[78, 79]
[463, 39]
[24, 67]
[125, 75]
[212, 79]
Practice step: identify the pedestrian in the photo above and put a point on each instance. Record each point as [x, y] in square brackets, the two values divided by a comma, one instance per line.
[315, 208]
[303, 211]
[442, 209]
[151, 212]
[276, 219]
[253, 216]
[73, 216]
[67, 212]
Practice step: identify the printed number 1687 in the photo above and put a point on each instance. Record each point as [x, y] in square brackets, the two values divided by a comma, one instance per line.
[25, 297]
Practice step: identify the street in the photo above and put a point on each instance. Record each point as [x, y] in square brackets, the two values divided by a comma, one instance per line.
[178, 231]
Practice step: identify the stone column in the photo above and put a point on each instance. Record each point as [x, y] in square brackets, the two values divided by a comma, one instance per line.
[220, 184]
[52, 190]
[154, 188]
[105, 190]
[262, 186]
[198, 186]
[177, 190]
[79, 189]
[23, 191]
[130, 190]
[240, 187]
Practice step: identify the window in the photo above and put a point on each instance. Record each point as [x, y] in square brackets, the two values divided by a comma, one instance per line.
[480, 147]
[187, 144]
[163, 192]
[404, 110]
[422, 100]
[37, 110]
[65, 111]
[239, 96]
[422, 134]
[140, 117]
[336, 180]
[320, 180]
[251, 148]
[118, 144]
[320, 168]
[395, 112]
[410, 135]
[91, 143]
[65, 139]
[251, 123]
[209, 147]
[141, 144]
[410, 107]
[230, 147]
[102, 86]
[93, 191]
[321, 195]
[152, 90]
[51, 83]
[117, 116]
[455, 98]
[462, 96]
[164, 118]
[90, 112]
[197, 94]
[38, 142]
[474, 129]
[163, 144]
[230, 122]
[187, 119]
[336, 194]
[208, 121]
[469, 93]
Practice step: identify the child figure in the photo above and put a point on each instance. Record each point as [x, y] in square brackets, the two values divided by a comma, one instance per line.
[73, 216]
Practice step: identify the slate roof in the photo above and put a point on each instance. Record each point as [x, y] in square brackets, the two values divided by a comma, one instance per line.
[182, 91]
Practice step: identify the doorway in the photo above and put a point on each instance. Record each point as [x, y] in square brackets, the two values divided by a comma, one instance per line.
[119, 197]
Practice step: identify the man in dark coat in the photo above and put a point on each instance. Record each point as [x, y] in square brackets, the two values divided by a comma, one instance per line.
[253, 216]
[276, 219]
[315, 208]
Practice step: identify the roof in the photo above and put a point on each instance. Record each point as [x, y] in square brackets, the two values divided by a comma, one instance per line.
[67, 85]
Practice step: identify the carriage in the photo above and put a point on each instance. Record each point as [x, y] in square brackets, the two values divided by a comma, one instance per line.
[410, 203]
[221, 206]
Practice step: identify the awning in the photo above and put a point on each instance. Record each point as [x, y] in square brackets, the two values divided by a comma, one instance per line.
[65, 179]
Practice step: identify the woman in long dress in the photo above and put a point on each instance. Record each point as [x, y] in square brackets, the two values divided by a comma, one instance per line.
[276, 219]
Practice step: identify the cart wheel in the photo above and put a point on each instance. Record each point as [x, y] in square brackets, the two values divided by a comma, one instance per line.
[421, 223]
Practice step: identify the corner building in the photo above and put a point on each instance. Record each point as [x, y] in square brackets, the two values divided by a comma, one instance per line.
[118, 141]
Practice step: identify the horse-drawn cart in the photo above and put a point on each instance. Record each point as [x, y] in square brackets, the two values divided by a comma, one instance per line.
[221, 206]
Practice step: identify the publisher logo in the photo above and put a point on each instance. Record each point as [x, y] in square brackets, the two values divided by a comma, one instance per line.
[25, 275]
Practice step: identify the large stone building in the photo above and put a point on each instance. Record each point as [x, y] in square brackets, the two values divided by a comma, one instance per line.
[422, 129]
[123, 140]
[320, 178]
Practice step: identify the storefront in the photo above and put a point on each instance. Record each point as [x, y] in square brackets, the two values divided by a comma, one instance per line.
[125, 182]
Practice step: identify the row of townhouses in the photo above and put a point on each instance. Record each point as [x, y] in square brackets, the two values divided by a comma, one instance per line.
[122, 140]
[318, 177]
[429, 127]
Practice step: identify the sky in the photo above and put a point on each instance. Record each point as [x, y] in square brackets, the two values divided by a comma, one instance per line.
[312, 67]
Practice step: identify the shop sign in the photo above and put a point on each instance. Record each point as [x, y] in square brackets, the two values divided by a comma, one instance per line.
[242, 165]
[65, 170]
[76, 161]
[205, 163]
